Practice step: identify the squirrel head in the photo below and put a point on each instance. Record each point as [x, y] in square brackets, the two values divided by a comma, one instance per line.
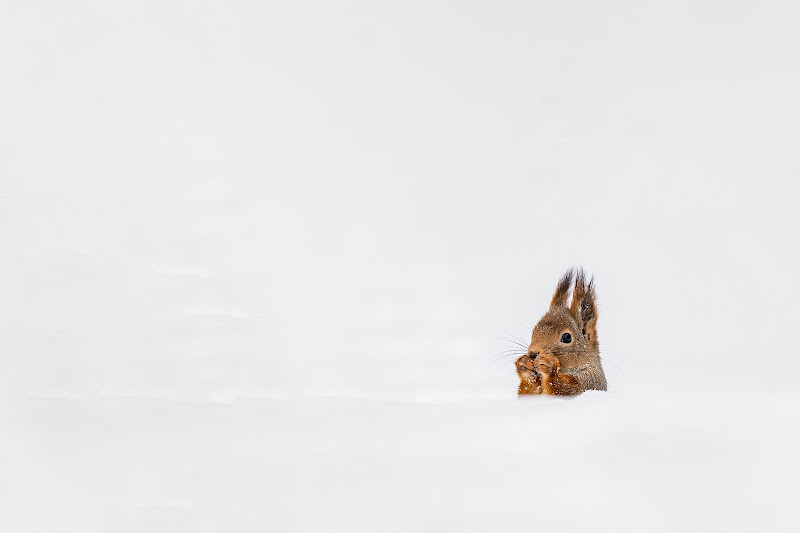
[569, 332]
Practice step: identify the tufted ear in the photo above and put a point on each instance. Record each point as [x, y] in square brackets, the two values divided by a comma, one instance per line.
[562, 290]
[584, 306]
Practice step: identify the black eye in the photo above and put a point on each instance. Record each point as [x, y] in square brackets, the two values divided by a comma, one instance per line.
[566, 338]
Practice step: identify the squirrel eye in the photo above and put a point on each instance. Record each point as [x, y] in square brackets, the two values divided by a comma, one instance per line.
[566, 338]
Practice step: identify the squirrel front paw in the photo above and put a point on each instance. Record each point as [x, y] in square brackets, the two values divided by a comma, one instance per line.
[546, 364]
[526, 369]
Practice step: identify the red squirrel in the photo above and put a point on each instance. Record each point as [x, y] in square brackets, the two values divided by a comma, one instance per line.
[564, 356]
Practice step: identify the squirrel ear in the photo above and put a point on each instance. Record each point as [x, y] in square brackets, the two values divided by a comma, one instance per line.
[577, 295]
[584, 306]
[562, 290]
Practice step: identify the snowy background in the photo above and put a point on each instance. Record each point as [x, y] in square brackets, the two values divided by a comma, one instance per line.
[260, 263]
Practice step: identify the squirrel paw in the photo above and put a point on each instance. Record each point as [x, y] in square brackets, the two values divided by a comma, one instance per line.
[546, 364]
[526, 369]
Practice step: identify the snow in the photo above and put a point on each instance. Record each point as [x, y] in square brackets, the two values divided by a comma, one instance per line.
[603, 461]
[261, 265]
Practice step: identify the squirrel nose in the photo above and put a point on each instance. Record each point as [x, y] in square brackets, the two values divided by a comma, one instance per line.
[532, 354]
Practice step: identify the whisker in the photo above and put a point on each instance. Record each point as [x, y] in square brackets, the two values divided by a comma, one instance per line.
[503, 358]
[502, 361]
[497, 365]
[519, 347]
[518, 334]
[513, 341]
[507, 356]
[523, 349]
[515, 347]
[609, 362]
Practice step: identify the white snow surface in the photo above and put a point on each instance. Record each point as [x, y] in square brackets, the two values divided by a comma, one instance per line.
[261, 264]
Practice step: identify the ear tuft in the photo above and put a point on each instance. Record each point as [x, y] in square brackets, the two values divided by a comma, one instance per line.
[578, 294]
[588, 305]
[587, 311]
[562, 290]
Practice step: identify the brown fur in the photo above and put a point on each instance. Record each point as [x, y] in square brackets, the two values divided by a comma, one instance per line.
[554, 367]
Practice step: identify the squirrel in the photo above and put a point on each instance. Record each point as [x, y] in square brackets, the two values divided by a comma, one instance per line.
[564, 356]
